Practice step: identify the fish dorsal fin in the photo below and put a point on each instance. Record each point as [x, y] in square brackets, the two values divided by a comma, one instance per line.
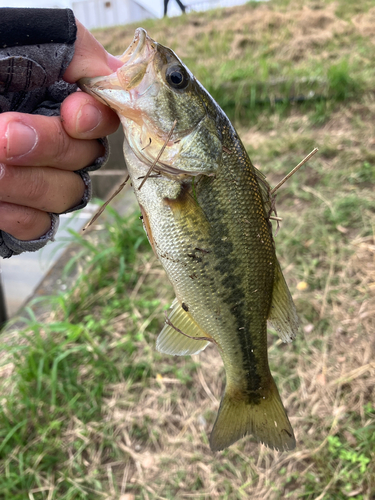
[265, 190]
[172, 341]
[283, 315]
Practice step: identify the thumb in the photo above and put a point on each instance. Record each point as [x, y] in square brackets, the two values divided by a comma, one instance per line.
[90, 58]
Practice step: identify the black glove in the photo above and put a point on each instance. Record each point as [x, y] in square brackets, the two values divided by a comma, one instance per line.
[36, 47]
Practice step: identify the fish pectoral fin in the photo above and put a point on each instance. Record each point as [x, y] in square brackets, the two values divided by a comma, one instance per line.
[283, 315]
[181, 335]
[266, 420]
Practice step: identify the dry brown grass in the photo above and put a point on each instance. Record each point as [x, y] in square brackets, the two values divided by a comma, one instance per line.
[295, 31]
[336, 379]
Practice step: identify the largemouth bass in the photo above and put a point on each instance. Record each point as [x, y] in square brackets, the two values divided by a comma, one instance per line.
[206, 213]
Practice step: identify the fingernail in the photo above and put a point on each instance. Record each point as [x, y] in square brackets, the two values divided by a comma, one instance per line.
[21, 139]
[88, 118]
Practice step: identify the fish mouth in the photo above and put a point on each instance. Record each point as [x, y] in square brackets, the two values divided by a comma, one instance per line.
[136, 58]
[136, 46]
[121, 90]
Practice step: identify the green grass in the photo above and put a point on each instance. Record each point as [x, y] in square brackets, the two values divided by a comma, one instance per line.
[274, 61]
[90, 410]
[62, 369]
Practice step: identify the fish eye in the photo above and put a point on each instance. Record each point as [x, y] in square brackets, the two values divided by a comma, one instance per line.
[177, 77]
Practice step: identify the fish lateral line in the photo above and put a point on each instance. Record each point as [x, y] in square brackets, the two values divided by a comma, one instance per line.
[207, 339]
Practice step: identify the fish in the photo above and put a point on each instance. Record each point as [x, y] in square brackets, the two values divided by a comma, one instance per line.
[206, 211]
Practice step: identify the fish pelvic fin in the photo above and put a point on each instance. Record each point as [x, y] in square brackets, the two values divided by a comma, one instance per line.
[265, 419]
[283, 315]
[181, 335]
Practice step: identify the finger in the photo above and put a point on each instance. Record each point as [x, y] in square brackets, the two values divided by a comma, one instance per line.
[47, 189]
[83, 117]
[42, 141]
[23, 223]
[90, 58]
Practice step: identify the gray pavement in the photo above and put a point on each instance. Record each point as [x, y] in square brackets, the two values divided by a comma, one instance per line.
[21, 274]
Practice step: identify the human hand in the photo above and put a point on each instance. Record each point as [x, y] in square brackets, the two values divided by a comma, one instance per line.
[38, 154]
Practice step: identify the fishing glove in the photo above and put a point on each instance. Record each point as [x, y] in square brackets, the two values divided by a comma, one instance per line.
[36, 47]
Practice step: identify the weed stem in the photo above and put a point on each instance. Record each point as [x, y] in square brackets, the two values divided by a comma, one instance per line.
[307, 158]
[103, 207]
[159, 155]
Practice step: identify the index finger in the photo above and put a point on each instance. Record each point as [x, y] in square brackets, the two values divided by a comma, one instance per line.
[90, 57]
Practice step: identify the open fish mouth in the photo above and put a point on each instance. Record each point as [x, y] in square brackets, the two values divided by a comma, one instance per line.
[135, 61]
[135, 48]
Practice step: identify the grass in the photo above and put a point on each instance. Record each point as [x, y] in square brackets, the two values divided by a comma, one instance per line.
[90, 410]
[264, 59]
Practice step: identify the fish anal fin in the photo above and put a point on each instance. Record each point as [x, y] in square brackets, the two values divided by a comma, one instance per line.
[181, 335]
[266, 420]
[283, 315]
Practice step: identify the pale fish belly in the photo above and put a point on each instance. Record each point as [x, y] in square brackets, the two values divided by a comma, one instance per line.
[181, 247]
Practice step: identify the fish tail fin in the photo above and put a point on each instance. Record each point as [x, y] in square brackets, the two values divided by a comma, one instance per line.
[266, 420]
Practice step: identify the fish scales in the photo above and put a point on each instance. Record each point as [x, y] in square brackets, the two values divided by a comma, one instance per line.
[245, 272]
[211, 257]
[206, 216]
